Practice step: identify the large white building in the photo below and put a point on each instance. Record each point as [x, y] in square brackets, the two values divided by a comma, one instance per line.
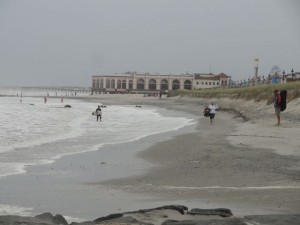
[136, 82]
[202, 81]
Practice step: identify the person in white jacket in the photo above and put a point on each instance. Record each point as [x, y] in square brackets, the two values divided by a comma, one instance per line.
[212, 112]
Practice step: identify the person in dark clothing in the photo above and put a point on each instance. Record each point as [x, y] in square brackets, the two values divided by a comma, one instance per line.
[277, 102]
[98, 113]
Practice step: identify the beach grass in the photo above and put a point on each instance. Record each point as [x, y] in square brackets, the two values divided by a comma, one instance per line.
[258, 93]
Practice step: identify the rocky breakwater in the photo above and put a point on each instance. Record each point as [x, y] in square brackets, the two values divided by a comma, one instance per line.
[165, 215]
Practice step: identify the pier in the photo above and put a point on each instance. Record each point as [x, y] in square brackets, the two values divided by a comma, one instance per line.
[45, 91]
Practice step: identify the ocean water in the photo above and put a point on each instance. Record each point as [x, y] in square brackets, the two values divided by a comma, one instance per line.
[35, 133]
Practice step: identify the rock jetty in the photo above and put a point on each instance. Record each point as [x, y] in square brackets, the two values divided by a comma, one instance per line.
[165, 215]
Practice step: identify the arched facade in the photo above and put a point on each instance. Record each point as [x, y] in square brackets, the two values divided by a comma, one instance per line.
[134, 82]
[175, 84]
[164, 85]
[140, 84]
[152, 84]
[187, 85]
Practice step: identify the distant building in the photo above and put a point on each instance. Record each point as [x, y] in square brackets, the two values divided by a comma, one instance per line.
[202, 81]
[136, 82]
[277, 76]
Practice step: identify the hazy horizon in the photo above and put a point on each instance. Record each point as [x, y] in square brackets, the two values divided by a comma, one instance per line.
[64, 43]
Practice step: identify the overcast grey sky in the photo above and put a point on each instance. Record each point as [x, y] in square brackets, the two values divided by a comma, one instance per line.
[65, 42]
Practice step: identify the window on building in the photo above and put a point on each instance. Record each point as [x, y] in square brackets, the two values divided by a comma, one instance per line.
[187, 85]
[213, 83]
[209, 83]
[202, 83]
[113, 85]
[107, 83]
[123, 84]
[140, 84]
[205, 83]
[130, 84]
[164, 85]
[119, 83]
[217, 83]
[152, 84]
[175, 85]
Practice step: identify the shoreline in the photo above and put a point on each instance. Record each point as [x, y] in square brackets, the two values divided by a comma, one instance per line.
[220, 175]
[74, 171]
[236, 180]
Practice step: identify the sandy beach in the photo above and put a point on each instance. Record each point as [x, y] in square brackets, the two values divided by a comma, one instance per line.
[251, 167]
[242, 162]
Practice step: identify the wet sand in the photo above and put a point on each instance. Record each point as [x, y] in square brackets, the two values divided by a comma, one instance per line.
[233, 164]
[250, 167]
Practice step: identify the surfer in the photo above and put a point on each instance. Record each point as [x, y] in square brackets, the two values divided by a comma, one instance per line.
[98, 113]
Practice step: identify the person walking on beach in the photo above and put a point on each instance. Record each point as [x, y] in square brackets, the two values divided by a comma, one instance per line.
[98, 113]
[277, 101]
[212, 112]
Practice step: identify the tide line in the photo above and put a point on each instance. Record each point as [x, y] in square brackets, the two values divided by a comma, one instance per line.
[230, 188]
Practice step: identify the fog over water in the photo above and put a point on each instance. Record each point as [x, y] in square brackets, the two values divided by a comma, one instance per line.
[64, 43]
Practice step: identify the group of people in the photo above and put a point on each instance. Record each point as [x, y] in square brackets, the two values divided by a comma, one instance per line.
[210, 110]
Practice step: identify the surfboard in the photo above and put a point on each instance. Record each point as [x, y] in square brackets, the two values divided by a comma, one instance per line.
[95, 113]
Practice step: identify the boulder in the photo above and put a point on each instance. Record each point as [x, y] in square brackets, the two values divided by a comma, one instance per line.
[84, 223]
[42, 220]
[223, 212]
[120, 220]
[179, 208]
[293, 219]
[57, 219]
[109, 217]
[226, 221]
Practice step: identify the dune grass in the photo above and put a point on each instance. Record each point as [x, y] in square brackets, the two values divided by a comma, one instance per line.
[258, 93]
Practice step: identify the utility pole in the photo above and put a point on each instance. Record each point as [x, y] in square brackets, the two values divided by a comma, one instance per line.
[256, 71]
